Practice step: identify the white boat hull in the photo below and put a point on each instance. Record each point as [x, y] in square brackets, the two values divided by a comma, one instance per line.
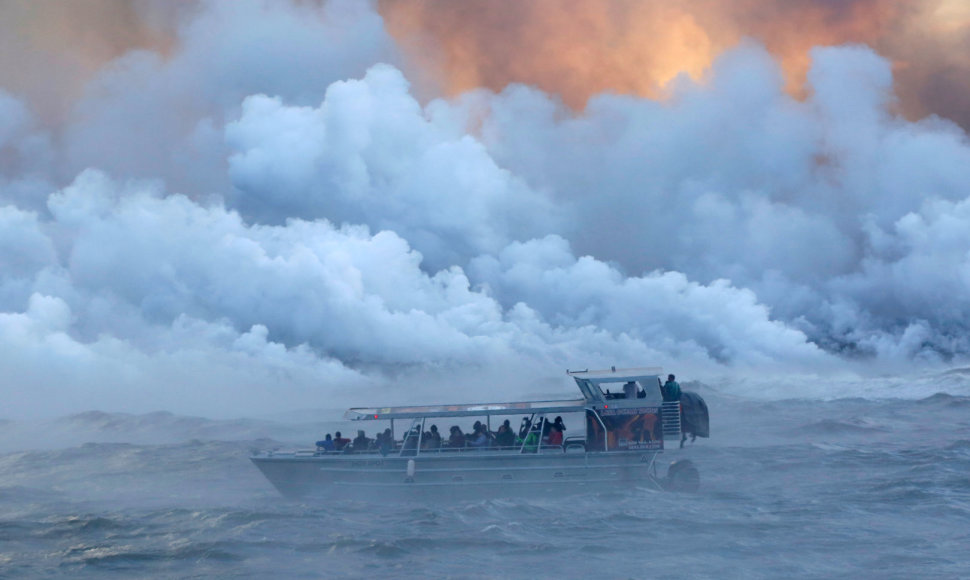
[479, 474]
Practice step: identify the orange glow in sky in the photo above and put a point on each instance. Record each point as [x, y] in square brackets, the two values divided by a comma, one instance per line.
[580, 48]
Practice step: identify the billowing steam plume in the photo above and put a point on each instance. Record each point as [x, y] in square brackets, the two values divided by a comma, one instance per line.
[229, 209]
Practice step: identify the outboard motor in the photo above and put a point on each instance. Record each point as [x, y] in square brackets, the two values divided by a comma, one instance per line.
[694, 417]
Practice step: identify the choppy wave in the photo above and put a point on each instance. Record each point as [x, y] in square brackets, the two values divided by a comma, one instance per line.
[834, 427]
[849, 479]
[154, 428]
[947, 400]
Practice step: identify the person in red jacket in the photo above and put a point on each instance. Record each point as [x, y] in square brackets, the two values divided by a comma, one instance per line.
[555, 435]
[339, 442]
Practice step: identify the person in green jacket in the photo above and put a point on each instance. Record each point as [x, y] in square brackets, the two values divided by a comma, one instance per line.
[670, 390]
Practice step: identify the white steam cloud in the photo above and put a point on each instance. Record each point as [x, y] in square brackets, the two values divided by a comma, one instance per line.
[268, 218]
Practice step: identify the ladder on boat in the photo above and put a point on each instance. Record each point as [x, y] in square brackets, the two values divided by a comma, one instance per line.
[670, 419]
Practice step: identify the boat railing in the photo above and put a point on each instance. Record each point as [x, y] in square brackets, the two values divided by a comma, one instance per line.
[446, 450]
[574, 443]
[510, 449]
[670, 419]
[570, 445]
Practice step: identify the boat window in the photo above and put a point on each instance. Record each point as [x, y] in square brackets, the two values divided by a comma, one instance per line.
[648, 393]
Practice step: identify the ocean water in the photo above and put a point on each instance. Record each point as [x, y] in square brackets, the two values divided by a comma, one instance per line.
[853, 488]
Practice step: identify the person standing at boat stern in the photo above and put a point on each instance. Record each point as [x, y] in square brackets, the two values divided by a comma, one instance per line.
[670, 390]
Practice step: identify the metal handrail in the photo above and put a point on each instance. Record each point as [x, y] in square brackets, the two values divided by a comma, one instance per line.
[670, 418]
[409, 434]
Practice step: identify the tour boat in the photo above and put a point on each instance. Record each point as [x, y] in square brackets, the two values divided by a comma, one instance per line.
[613, 436]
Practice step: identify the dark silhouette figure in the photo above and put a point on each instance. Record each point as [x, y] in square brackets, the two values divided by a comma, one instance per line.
[339, 442]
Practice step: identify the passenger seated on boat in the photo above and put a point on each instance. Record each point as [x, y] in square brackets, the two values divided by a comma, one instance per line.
[505, 437]
[427, 440]
[361, 442]
[479, 438]
[339, 442]
[432, 438]
[558, 423]
[555, 436]
[507, 424]
[326, 444]
[524, 428]
[385, 442]
[410, 444]
[546, 430]
[531, 442]
[457, 438]
[630, 390]
[489, 436]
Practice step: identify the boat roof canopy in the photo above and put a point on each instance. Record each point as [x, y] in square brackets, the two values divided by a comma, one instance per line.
[588, 381]
[616, 375]
[473, 410]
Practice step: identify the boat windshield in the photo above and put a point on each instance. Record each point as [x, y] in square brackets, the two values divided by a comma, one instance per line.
[638, 383]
